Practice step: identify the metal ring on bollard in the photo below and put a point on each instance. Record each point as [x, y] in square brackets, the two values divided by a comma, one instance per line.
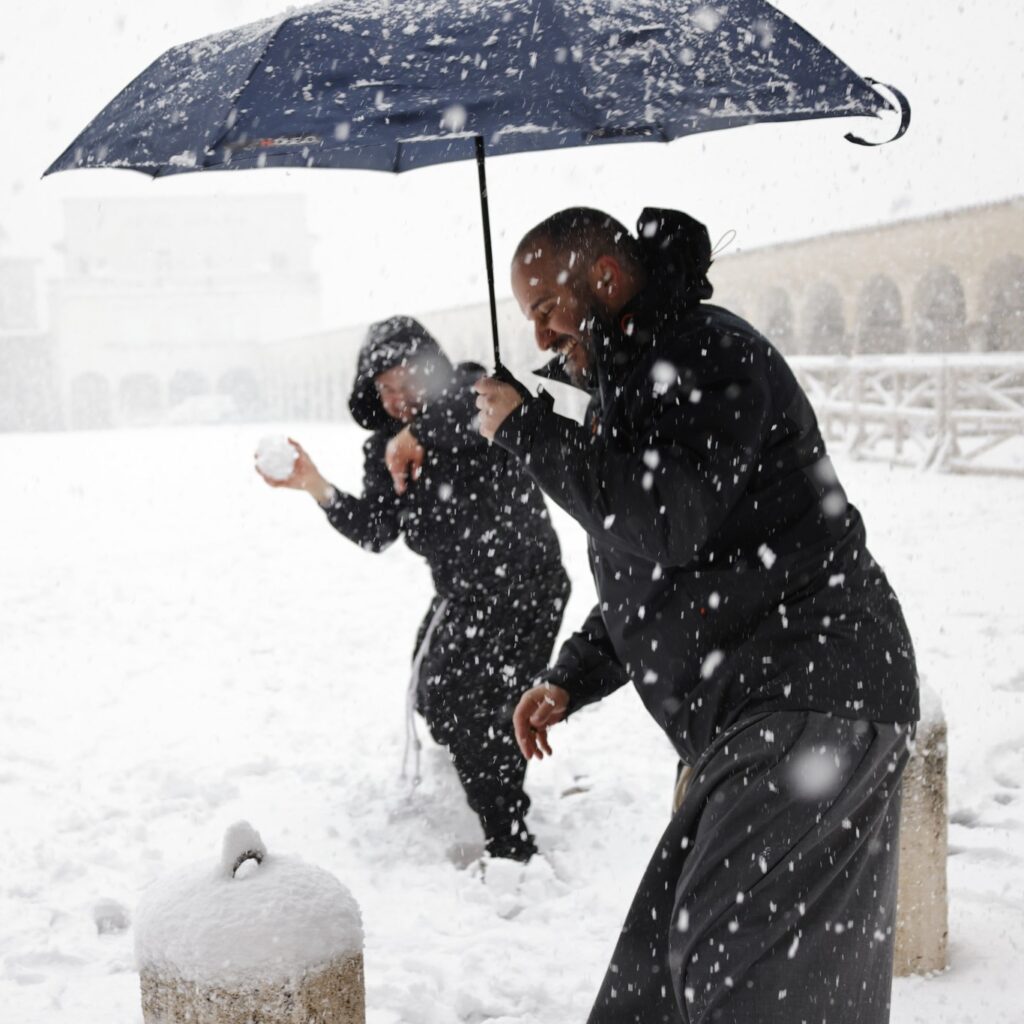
[243, 857]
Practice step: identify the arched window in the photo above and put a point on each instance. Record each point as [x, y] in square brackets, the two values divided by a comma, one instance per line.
[91, 402]
[824, 330]
[940, 312]
[779, 325]
[140, 397]
[1004, 304]
[241, 384]
[880, 316]
[186, 384]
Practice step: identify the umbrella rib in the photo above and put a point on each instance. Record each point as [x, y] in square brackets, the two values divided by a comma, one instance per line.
[557, 18]
[217, 138]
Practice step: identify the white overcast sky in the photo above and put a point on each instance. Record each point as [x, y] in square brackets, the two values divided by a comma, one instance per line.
[412, 241]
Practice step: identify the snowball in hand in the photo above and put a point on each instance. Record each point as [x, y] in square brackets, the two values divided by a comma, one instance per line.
[275, 457]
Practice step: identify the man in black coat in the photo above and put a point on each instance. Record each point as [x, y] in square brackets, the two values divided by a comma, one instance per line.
[482, 527]
[737, 594]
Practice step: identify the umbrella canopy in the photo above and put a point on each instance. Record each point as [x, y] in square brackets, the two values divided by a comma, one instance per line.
[392, 86]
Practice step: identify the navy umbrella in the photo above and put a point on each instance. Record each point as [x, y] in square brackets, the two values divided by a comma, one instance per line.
[392, 86]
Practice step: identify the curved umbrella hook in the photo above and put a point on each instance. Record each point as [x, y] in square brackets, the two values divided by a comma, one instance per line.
[904, 105]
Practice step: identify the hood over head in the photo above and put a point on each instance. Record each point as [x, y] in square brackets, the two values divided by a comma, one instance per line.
[397, 341]
[676, 253]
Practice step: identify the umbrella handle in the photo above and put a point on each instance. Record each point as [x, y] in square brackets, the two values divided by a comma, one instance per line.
[904, 105]
[489, 258]
[504, 374]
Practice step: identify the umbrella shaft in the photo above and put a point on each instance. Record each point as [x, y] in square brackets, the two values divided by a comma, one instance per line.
[488, 256]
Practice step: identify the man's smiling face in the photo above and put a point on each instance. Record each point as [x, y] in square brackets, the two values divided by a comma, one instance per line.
[554, 295]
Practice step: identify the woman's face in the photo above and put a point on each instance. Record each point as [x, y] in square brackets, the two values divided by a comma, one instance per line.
[399, 393]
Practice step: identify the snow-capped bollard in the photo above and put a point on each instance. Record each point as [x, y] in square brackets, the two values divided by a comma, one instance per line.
[256, 938]
[922, 926]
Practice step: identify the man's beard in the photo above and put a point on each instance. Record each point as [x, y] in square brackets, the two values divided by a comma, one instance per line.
[585, 376]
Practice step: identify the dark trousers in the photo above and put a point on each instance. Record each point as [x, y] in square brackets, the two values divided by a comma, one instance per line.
[771, 898]
[482, 655]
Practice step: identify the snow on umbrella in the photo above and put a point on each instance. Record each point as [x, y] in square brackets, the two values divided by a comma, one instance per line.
[394, 86]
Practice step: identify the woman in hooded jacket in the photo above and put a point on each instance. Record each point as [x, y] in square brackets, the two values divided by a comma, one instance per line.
[481, 525]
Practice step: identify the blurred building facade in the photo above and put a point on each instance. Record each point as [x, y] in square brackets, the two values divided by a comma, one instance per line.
[191, 309]
[953, 282]
[164, 304]
[28, 392]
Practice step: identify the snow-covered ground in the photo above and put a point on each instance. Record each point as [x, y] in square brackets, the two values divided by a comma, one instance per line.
[181, 647]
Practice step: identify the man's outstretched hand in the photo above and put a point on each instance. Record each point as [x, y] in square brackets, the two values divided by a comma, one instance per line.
[404, 457]
[538, 709]
[495, 400]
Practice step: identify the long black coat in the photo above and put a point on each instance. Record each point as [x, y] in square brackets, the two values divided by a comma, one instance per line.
[732, 573]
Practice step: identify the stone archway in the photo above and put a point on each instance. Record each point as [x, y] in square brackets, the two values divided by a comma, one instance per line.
[779, 322]
[186, 384]
[1003, 311]
[824, 326]
[244, 389]
[140, 398]
[880, 317]
[939, 312]
[91, 402]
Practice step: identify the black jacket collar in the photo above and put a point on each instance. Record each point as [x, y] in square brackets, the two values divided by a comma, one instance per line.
[623, 341]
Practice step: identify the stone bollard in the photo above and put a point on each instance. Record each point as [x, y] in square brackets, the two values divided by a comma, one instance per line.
[274, 941]
[922, 926]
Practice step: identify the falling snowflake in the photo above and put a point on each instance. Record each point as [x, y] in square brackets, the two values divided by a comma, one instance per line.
[711, 662]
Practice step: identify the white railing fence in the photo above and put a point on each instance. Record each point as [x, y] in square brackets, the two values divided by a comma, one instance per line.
[961, 413]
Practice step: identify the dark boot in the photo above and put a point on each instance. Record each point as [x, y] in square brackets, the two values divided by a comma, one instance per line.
[520, 846]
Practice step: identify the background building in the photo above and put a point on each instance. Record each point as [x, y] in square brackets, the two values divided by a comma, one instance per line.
[28, 395]
[188, 309]
[953, 282]
[164, 303]
[947, 283]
